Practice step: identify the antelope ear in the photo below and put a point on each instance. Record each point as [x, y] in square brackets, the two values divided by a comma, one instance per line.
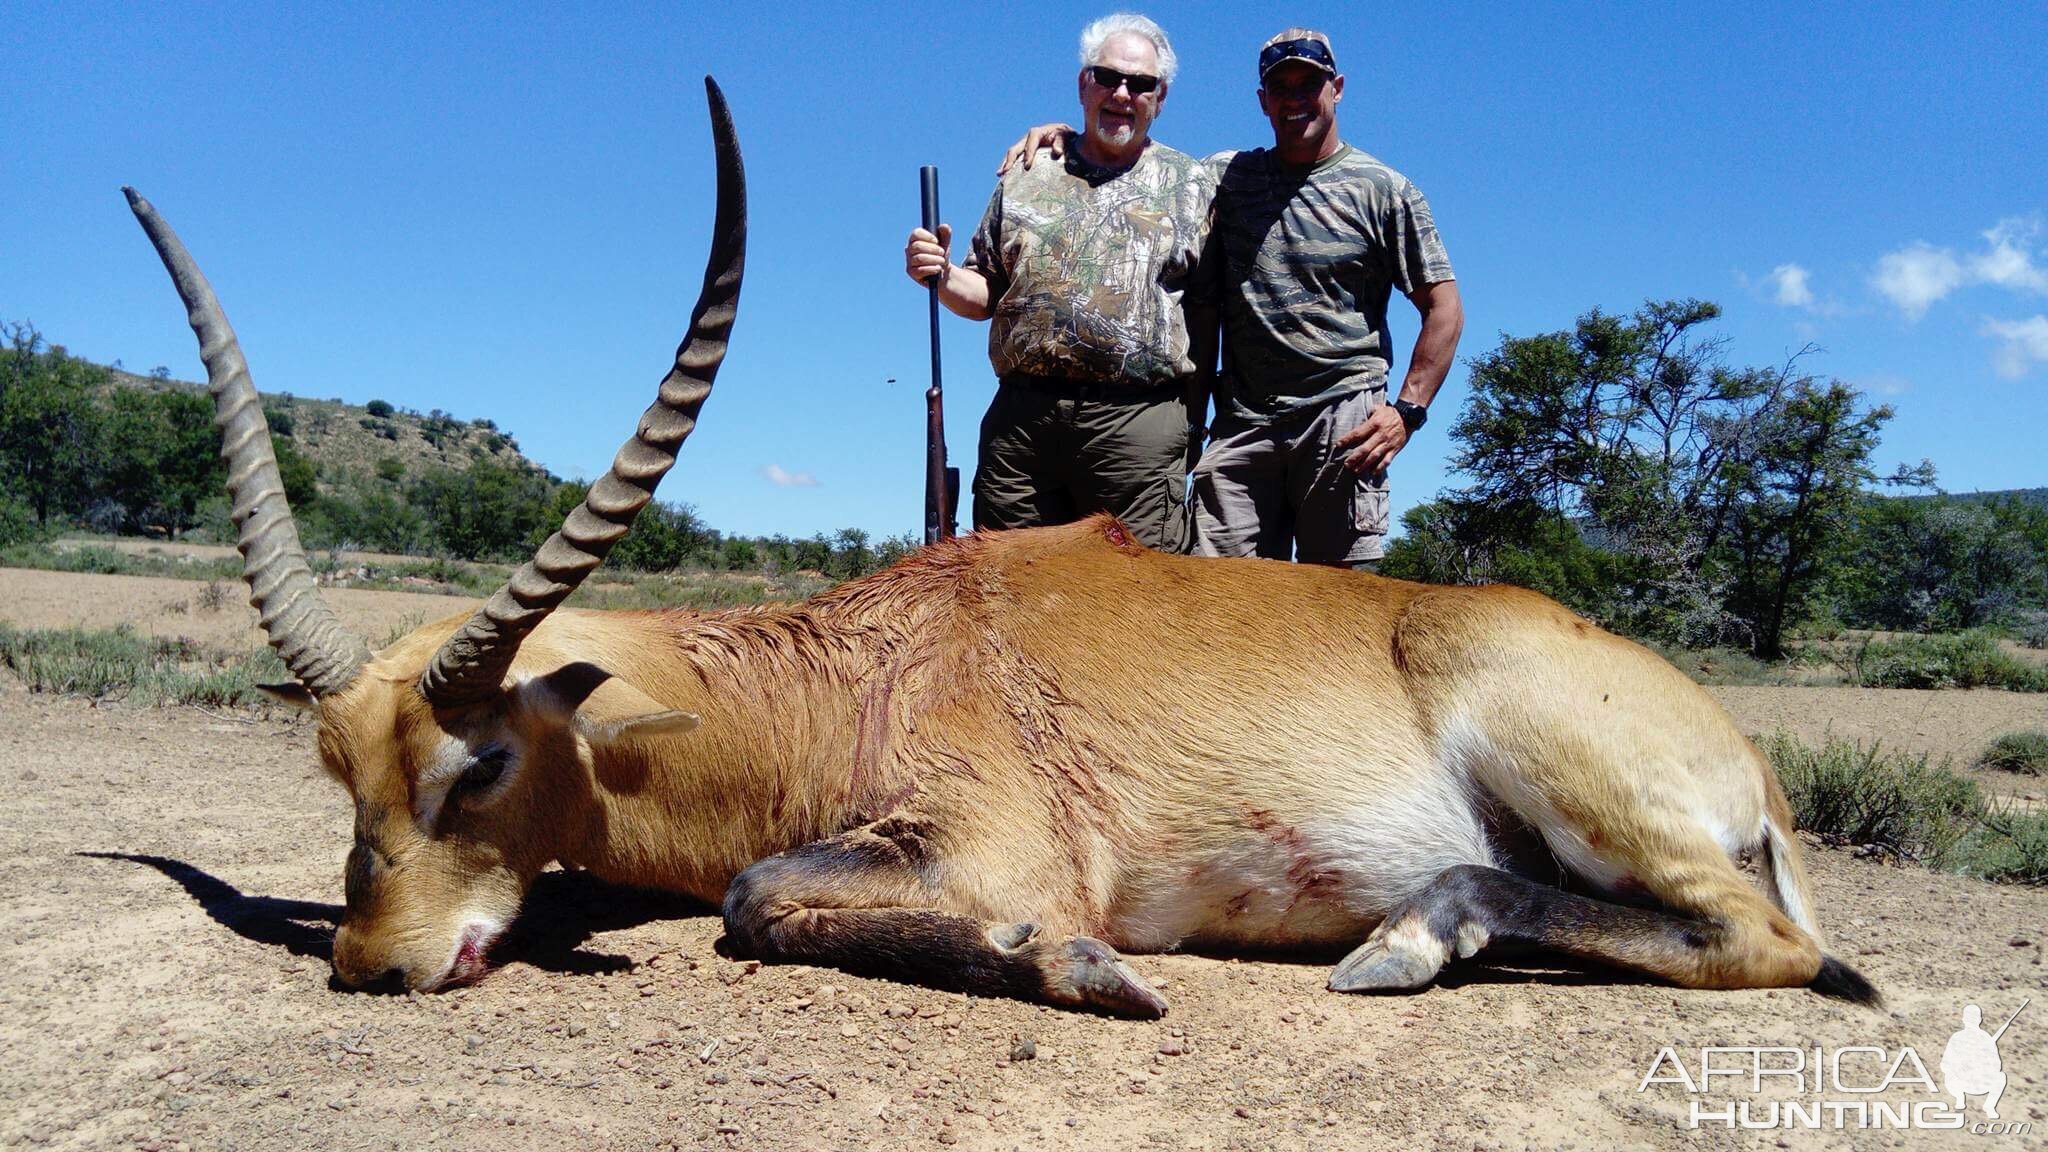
[293, 693]
[615, 710]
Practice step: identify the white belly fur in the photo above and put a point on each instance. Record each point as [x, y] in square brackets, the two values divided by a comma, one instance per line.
[1324, 880]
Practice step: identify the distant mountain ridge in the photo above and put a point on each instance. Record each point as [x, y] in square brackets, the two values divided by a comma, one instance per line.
[376, 439]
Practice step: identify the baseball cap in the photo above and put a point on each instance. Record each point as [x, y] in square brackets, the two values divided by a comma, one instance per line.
[1306, 45]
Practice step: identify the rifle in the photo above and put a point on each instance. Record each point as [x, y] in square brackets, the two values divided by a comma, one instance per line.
[941, 481]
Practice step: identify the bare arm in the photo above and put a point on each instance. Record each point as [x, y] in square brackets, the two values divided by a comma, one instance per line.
[963, 291]
[1373, 444]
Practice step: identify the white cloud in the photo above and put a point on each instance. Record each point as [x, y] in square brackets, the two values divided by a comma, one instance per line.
[2024, 344]
[1884, 384]
[1790, 280]
[781, 477]
[1916, 276]
[2008, 262]
[1919, 275]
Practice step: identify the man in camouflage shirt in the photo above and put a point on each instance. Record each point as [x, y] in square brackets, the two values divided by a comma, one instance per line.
[1311, 238]
[1083, 267]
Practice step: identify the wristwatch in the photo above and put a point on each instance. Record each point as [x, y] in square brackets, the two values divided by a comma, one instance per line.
[1413, 416]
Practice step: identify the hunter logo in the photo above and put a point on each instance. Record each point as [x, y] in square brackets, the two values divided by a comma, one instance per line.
[1852, 1087]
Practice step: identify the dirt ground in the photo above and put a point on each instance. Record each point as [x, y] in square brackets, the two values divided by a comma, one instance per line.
[157, 606]
[169, 880]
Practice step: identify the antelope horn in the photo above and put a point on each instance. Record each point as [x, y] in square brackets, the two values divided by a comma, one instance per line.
[473, 663]
[320, 651]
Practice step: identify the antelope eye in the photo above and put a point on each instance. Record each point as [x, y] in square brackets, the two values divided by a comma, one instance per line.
[483, 772]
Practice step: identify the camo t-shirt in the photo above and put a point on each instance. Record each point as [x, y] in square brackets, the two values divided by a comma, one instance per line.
[1087, 266]
[1305, 262]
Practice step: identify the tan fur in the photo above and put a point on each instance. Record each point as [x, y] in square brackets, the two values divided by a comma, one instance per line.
[1092, 737]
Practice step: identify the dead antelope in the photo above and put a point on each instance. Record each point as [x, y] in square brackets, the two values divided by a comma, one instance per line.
[991, 765]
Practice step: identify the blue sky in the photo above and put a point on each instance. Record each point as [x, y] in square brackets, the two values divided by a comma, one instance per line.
[506, 216]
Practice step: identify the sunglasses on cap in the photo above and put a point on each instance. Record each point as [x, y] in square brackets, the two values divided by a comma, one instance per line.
[1311, 51]
[1108, 78]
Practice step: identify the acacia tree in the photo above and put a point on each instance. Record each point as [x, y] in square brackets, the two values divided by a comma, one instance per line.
[1716, 492]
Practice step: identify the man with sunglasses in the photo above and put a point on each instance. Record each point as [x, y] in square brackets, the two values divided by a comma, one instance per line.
[1311, 238]
[1083, 266]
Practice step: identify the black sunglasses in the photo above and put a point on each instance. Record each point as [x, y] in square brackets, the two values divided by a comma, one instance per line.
[1313, 51]
[1109, 78]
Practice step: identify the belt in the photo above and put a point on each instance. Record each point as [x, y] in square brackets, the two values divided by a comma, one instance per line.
[1066, 388]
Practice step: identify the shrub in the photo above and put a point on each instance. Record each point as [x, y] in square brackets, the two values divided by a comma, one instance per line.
[1964, 660]
[2014, 849]
[2033, 631]
[1867, 796]
[18, 523]
[1908, 809]
[2023, 752]
[378, 408]
[120, 664]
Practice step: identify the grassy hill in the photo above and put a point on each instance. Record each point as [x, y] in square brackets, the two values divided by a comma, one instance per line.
[379, 440]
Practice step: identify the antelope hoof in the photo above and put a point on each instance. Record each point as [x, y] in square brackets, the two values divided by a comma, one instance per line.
[1396, 961]
[1087, 971]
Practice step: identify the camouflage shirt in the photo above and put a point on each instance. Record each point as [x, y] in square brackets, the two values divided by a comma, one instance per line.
[1303, 262]
[1087, 266]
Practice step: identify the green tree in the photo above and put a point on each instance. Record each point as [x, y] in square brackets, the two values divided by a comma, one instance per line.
[488, 511]
[49, 423]
[1943, 562]
[1707, 500]
[159, 456]
[1797, 502]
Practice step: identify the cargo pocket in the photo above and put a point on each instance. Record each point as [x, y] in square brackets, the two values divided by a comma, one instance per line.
[1369, 509]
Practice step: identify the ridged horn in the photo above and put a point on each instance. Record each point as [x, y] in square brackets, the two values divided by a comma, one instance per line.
[313, 643]
[473, 663]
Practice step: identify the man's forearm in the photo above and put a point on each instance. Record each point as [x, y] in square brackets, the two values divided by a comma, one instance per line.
[1436, 346]
[964, 292]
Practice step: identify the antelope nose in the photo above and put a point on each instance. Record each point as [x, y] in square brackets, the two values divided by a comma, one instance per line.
[355, 968]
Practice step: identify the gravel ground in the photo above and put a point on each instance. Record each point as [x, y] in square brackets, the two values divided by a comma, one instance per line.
[168, 880]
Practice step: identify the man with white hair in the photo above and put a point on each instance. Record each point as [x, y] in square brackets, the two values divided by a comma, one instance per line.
[1083, 266]
[1312, 237]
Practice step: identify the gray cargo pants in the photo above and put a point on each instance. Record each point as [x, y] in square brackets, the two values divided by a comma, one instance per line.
[1055, 451]
[1281, 490]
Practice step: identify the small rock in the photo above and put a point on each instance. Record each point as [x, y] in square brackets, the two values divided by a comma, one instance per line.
[749, 967]
[717, 1078]
[728, 1129]
[849, 1030]
[2019, 942]
[899, 1045]
[1172, 1048]
[578, 1028]
[899, 1011]
[1023, 1048]
[948, 1136]
[1242, 1112]
[611, 1020]
[472, 1042]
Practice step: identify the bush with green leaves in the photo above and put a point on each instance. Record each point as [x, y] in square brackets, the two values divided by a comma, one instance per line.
[1898, 805]
[1963, 660]
[2022, 752]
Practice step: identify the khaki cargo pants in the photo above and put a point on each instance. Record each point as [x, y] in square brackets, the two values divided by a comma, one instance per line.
[1281, 490]
[1056, 451]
